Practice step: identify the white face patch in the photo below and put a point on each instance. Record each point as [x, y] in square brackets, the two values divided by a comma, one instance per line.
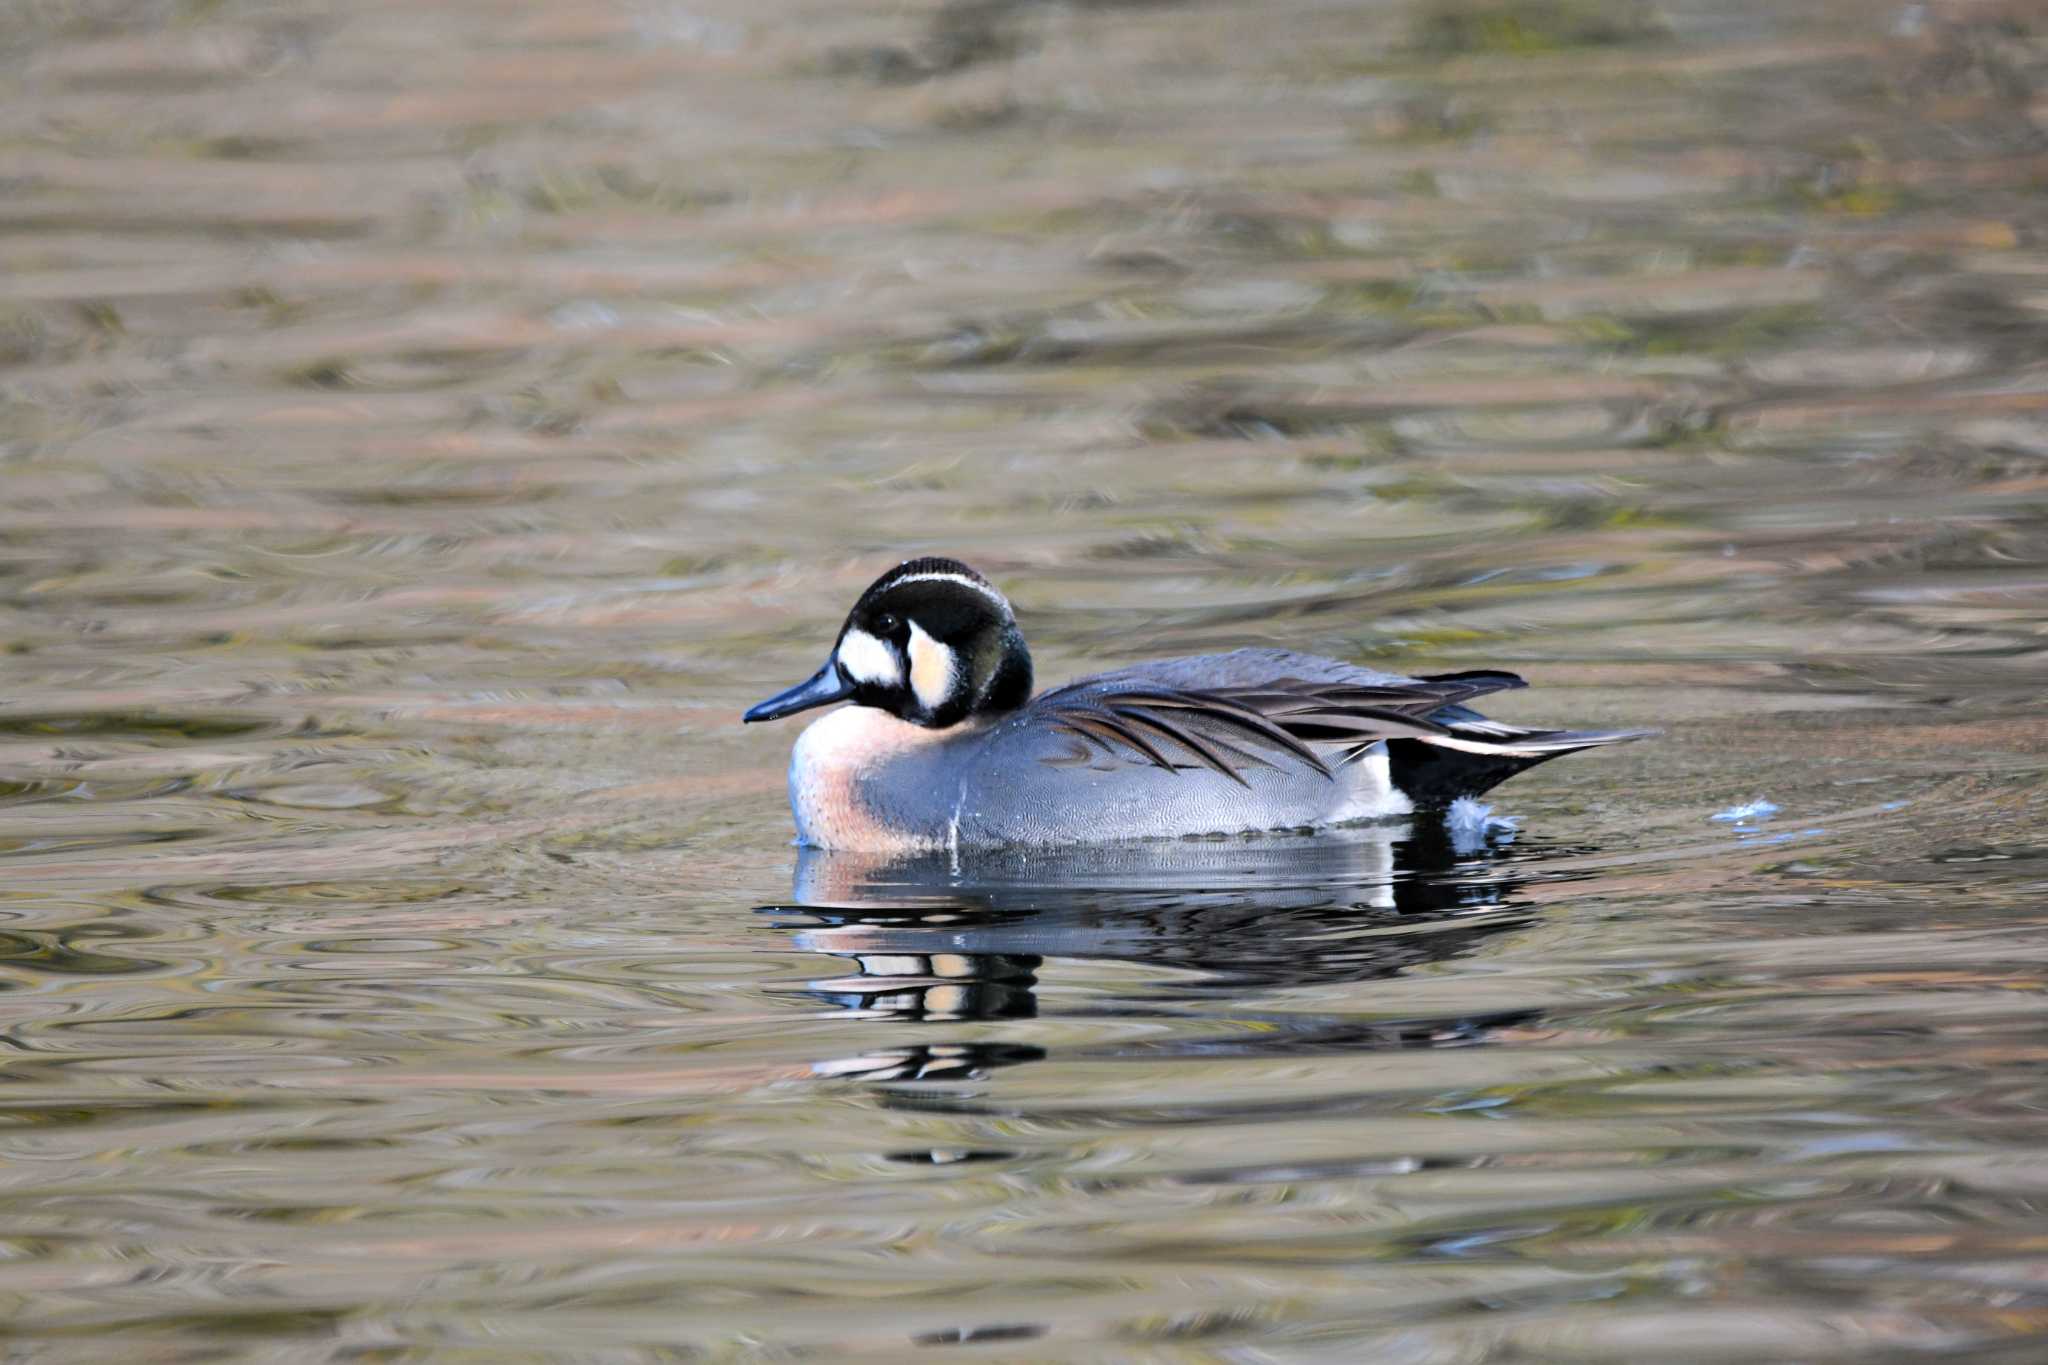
[933, 669]
[868, 660]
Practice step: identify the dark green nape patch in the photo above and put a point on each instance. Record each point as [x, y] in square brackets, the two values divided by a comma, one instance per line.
[1459, 28]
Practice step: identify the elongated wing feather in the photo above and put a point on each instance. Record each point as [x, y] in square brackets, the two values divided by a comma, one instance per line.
[1266, 709]
[1317, 725]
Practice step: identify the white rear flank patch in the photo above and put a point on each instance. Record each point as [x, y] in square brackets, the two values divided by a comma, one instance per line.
[868, 660]
[932, 669]
[1370, 791]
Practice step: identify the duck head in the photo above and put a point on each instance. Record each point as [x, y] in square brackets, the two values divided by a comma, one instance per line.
[931, 642]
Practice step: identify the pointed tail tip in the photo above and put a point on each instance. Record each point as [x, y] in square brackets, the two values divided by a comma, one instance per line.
[1571, 741]
[1434, 770]
[1614, 736]
[1533, 744]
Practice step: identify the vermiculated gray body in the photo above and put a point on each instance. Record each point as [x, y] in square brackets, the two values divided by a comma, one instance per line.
[1027, 779]
[946, 747]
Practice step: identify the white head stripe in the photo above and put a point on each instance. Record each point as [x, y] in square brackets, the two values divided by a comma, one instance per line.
[932, 669]
[962, 579]
[868, 660]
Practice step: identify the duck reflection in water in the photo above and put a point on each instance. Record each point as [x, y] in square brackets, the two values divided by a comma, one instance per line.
[934, 938]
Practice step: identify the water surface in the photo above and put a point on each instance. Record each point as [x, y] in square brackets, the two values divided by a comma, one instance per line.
[423, 429]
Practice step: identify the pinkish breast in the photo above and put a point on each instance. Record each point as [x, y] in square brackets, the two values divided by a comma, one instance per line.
[834, 757]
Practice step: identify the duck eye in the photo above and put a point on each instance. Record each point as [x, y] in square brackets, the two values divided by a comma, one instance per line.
[887, 623]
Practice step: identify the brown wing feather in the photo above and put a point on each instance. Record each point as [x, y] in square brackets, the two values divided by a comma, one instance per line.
[1186, 739]
[1220, 708]
[1104, 723]
[1226, 729]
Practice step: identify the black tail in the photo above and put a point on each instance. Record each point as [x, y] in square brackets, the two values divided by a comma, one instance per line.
[1477, 757]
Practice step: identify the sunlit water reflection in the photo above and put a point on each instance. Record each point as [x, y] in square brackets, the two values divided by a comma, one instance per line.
[424, 428]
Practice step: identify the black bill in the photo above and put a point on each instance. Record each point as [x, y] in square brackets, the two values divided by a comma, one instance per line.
[820, 689]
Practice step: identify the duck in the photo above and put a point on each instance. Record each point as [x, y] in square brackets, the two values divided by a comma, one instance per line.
[945, 746]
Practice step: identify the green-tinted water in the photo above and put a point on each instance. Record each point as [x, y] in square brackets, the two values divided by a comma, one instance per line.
[423, 428]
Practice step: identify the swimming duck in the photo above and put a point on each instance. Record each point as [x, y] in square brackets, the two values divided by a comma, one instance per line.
[945, 747]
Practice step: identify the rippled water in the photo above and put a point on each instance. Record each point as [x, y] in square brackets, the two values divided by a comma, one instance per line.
[423, 428]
